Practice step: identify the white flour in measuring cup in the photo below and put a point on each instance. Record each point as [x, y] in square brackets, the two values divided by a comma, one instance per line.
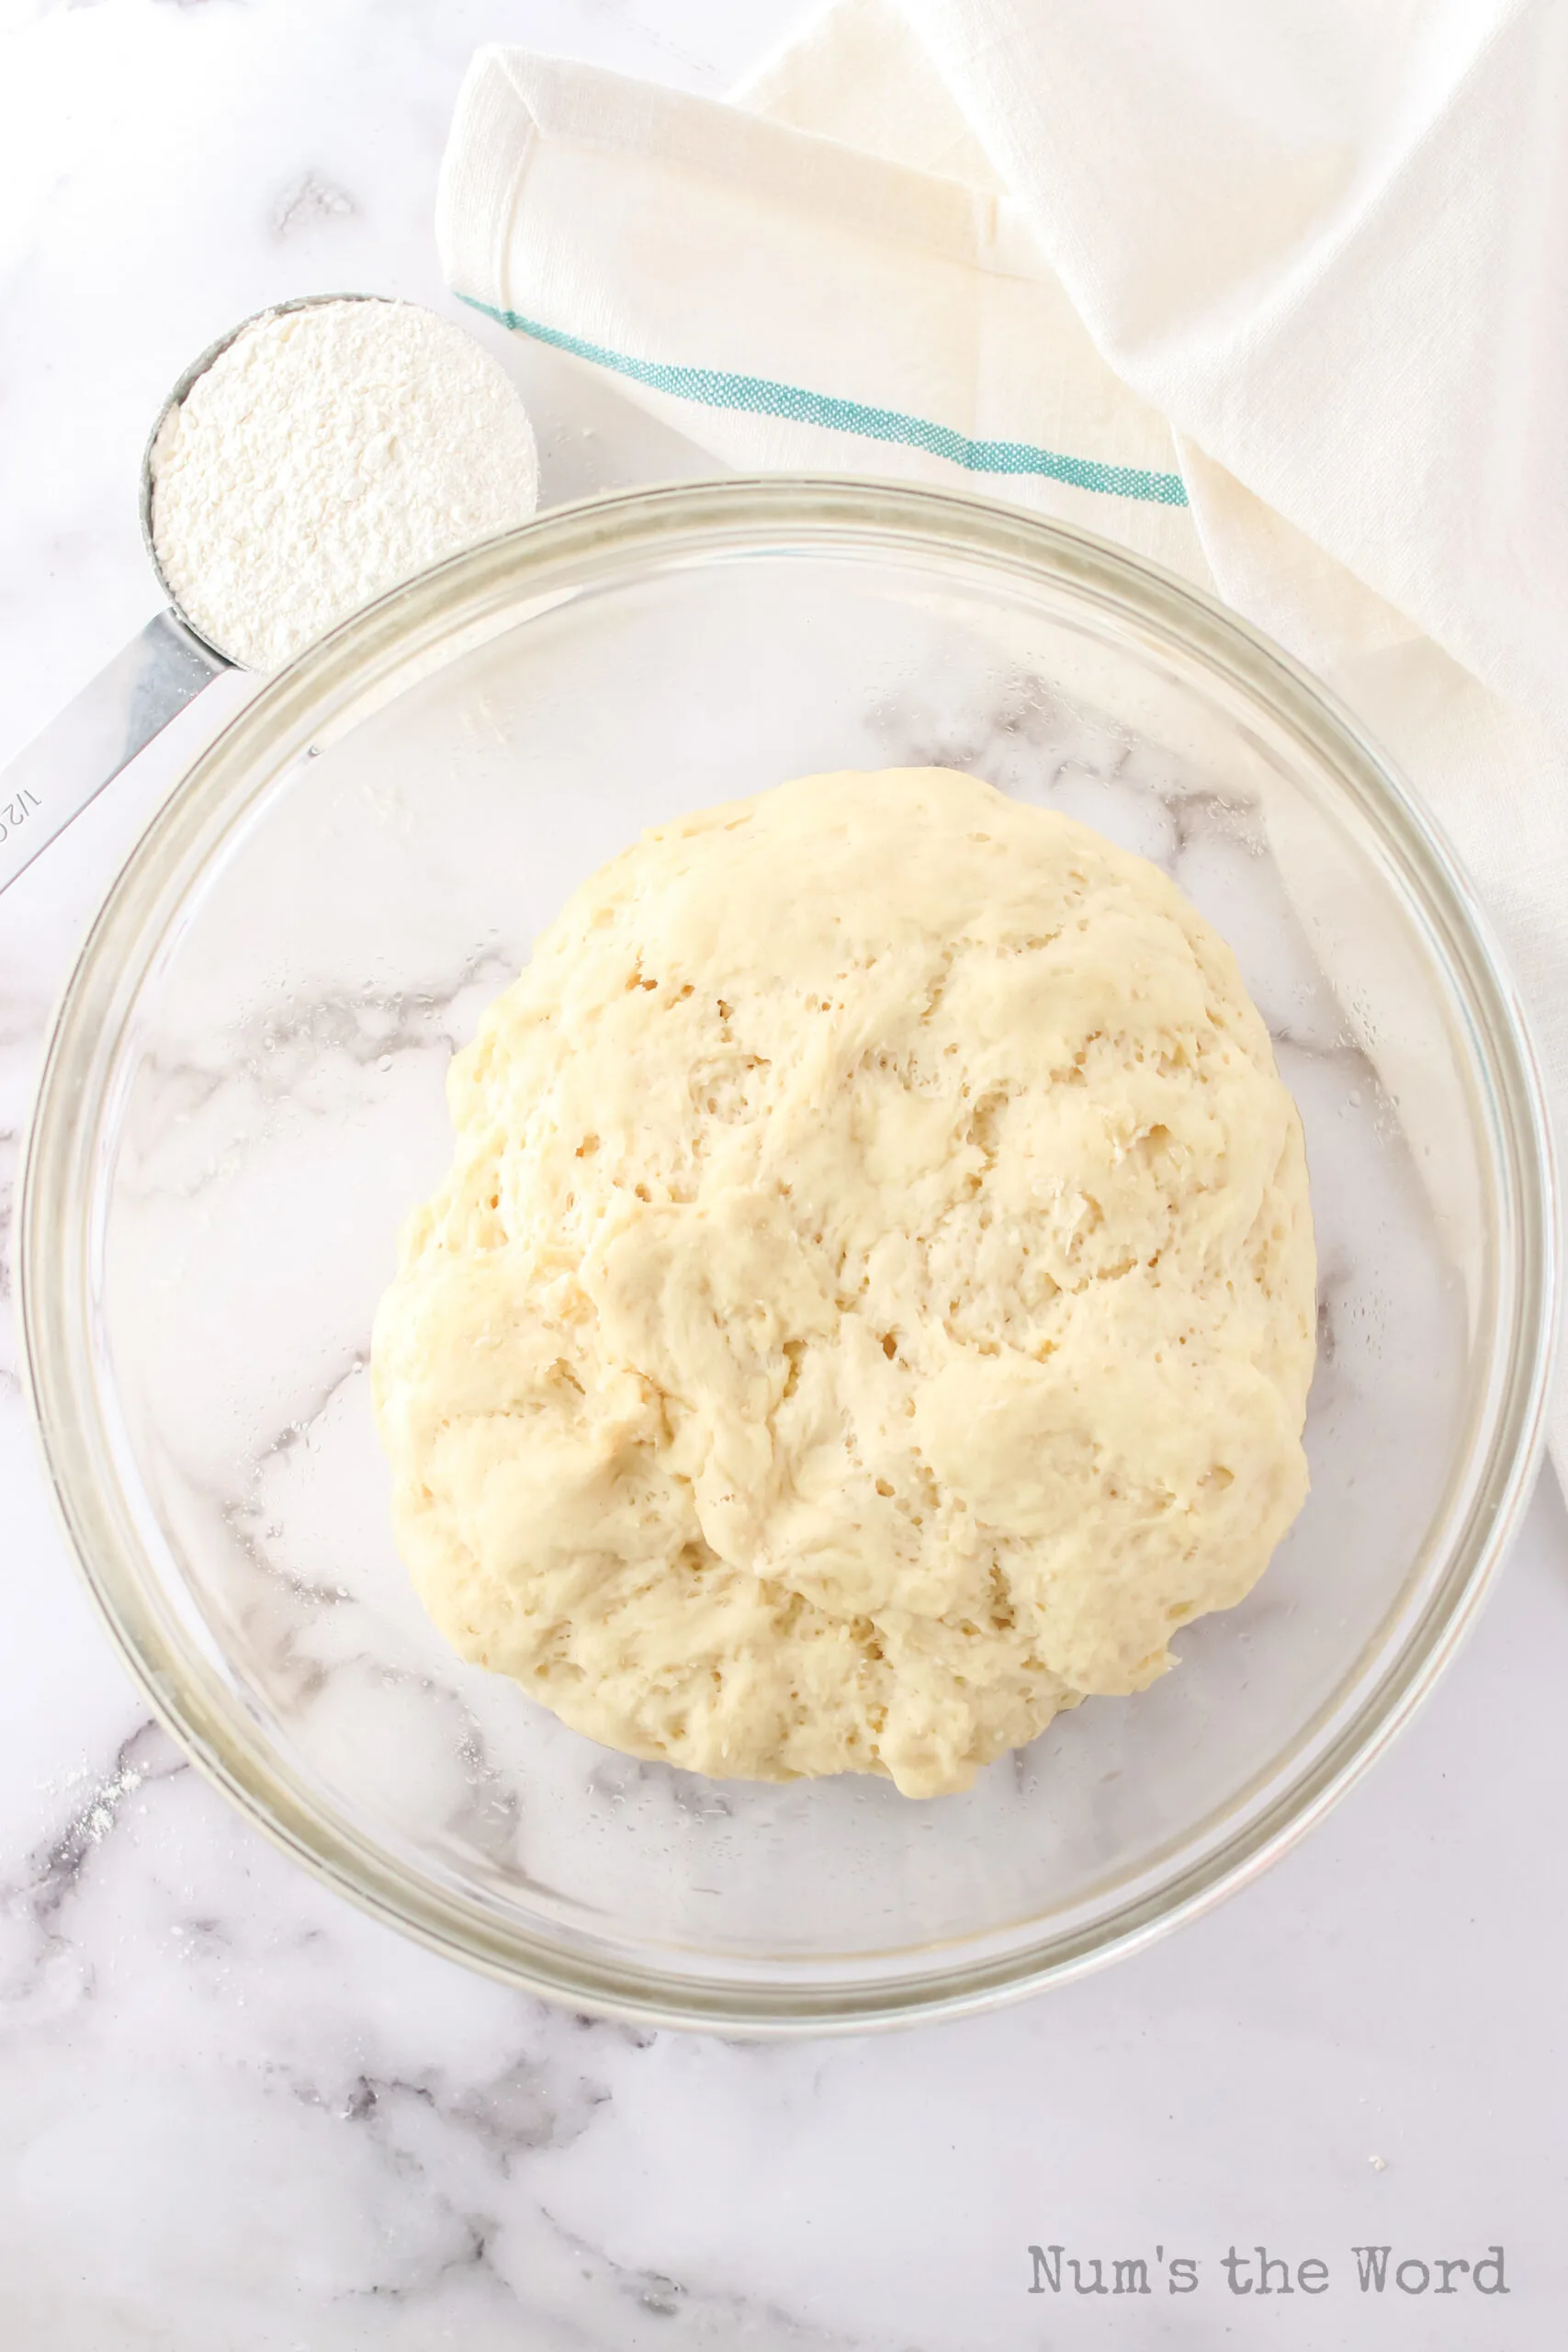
[327, 453]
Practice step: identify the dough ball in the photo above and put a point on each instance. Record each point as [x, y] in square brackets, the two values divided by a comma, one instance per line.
[872, 1304]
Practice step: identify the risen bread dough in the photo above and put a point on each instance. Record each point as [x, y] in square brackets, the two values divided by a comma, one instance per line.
[873, 1301]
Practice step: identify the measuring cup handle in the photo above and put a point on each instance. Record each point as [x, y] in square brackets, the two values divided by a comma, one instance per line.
[94, 736]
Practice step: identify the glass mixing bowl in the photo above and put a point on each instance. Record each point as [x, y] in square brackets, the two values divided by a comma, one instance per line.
[244, 1093]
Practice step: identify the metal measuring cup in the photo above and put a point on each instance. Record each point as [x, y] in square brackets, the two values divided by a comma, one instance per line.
[151, 681]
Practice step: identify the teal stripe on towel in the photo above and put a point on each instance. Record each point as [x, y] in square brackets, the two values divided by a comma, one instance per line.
[760, 396]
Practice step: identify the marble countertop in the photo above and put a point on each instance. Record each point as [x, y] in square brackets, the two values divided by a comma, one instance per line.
[235, 2116]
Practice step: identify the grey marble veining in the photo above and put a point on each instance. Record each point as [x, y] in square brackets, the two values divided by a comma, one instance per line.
[235, 2115]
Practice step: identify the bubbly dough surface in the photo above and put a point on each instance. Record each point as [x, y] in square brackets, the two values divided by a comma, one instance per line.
[872, 1304]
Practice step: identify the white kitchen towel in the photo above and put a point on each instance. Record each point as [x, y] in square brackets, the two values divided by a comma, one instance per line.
[1275, 294]
[789, 300]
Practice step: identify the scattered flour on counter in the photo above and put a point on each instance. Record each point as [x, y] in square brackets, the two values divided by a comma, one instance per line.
[871, 1307]
[325, 454]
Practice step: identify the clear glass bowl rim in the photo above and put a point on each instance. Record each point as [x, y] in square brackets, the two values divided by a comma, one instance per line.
[568, 549]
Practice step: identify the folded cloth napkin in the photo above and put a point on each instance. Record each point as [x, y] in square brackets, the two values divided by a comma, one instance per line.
[1277, 296]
